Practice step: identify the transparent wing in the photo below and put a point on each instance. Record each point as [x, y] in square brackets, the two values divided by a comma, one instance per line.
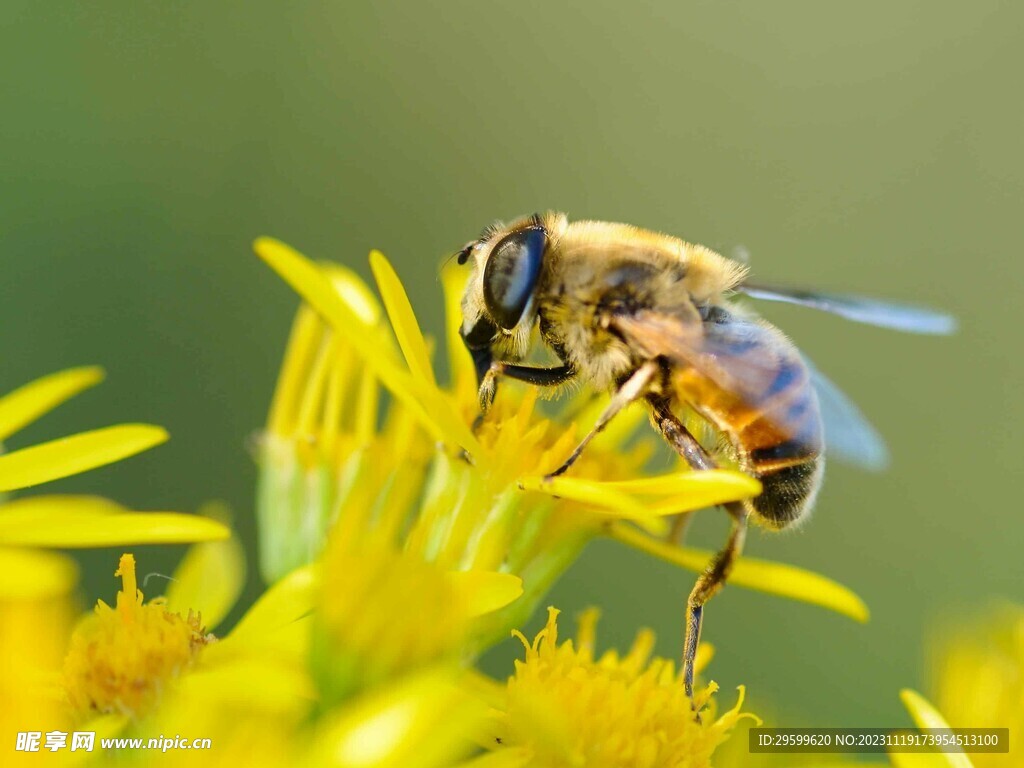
[885, 314]
[746, 359]
[849, 436]
[740, 358]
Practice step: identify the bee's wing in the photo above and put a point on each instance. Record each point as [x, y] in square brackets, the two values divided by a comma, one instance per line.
[742, 357]
[900, 317]
[849, 436]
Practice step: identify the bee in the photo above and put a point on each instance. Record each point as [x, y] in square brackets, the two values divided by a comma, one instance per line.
[646, 316]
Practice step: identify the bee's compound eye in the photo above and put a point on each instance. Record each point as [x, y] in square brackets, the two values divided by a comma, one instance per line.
[511, 275]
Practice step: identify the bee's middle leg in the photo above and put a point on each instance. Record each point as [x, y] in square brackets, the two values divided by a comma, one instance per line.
[718, 570]
[631, 389]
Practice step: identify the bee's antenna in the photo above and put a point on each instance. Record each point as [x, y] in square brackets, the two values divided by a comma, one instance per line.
[450, 256]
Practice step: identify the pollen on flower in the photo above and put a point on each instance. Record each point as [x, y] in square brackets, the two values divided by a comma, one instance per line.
[566, 707]
[121, 659]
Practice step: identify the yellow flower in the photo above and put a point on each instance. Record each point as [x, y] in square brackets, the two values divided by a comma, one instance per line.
[68, 455]
[382, 613]
[464, 499]
[565, 706]
[35, 587]
[122, 657]
[421, 720]
[250, 691]
[79, 521]
[129, 659]
[735, 753]
[926, 716]
[978, 674]
[162, 673]
[35, 617]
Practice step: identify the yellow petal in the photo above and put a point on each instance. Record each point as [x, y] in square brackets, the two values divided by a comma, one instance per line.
[927, 716]
[229, 684]
[403, 319]
[287, 600]
[424, 401]
[463, 377]
[591, 492]
[490, 691]
[733, 485]
[355, 292]
[71, 455]
[27, 403]
[303, 346]
[418, 722]
[599, 501]
[55, 507]
[690, 491]
[916, 760]
[762, 575]
[103, 529]
[484, 591]
[29, 575]
[924, 714]
[685, 492]
[516, 757]
[209, 580]
[105, 727]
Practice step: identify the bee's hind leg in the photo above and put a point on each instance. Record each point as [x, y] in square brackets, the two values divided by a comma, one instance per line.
[717, 571]
[631, 389]
[708, 585]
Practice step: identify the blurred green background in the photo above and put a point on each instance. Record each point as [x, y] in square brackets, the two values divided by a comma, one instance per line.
[873, 147]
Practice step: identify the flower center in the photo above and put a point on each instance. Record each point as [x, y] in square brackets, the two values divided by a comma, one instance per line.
[122, 658]
[566, 707]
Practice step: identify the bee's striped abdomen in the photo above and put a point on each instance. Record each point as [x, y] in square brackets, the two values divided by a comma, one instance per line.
[773, 422]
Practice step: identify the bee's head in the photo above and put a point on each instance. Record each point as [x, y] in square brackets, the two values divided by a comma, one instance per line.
[498, 305]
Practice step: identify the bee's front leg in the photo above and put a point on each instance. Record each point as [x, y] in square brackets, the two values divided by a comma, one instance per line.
[541, 377]
[488, 389]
